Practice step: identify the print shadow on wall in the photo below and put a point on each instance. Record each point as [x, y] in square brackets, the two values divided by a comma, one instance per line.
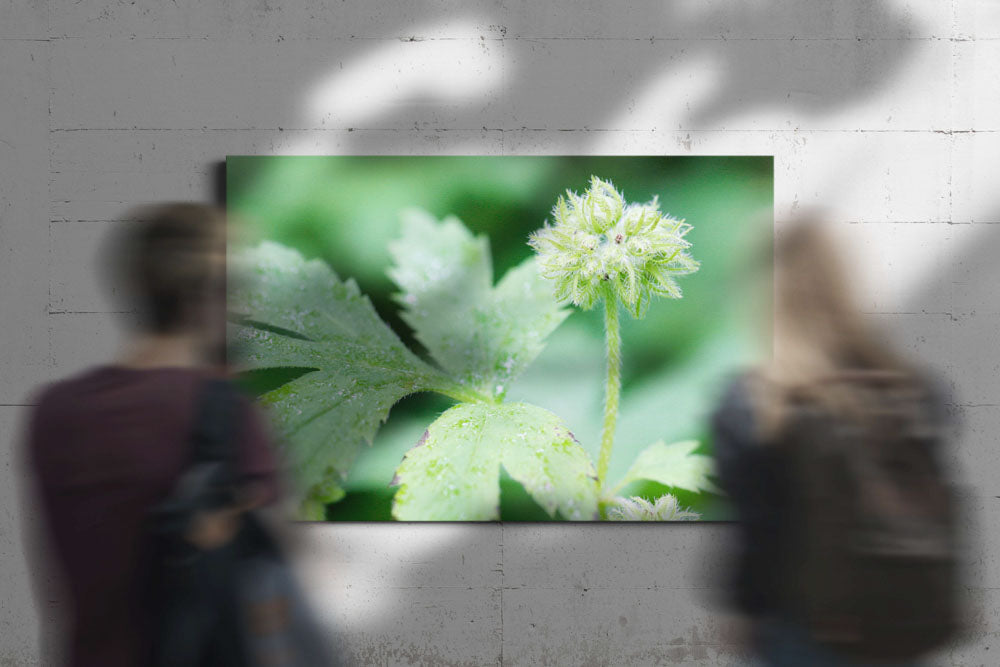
[498, 338]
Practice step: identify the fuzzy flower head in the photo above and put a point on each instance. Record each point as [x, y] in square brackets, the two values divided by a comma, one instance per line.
[602, 246]
[666, 508]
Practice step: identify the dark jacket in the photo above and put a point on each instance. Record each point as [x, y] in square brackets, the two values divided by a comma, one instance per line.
[755, 475]
[105, 447]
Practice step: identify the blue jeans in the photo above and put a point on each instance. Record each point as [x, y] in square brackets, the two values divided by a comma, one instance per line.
[783, 643]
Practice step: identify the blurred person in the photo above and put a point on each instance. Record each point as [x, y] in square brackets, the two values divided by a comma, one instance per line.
[830, 453]
[109, 444]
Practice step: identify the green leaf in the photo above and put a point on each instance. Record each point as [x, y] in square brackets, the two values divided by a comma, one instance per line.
[484, 336]
[453, 473]
[672, 465]
[298, 313]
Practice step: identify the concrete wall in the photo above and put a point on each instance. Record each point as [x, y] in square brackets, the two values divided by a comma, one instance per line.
[886, 113]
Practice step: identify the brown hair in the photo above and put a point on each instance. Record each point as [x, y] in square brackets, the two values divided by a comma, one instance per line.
[820, 336]
[164, 260]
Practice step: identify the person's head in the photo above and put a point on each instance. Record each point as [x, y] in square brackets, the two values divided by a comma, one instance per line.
[819, 331]
[817, 325]
[171, 264]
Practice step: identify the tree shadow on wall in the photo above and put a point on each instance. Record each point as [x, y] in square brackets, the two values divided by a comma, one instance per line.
[780, 54]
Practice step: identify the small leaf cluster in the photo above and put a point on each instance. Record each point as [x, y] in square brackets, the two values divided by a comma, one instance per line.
[601, 246]
[666, 508]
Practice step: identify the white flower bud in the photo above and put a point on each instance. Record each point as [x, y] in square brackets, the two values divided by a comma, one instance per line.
[599, 247]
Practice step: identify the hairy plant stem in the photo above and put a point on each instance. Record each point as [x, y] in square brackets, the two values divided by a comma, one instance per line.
[612, 389]
[459, 392]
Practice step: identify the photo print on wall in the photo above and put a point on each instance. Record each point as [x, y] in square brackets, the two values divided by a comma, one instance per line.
[497, 338]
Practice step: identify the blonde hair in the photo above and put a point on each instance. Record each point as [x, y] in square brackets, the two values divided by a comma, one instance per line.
[820, 335]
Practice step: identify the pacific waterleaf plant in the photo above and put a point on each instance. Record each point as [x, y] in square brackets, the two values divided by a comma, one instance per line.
[601, 248]
[294, 313]
[298, 314]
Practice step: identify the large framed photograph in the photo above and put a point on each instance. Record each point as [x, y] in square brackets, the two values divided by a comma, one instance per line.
[483, 338]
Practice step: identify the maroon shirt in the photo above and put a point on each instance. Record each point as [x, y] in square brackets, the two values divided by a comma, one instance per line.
[105, 447]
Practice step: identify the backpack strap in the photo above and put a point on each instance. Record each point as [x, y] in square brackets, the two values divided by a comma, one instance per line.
[213, 438]
[212, 432]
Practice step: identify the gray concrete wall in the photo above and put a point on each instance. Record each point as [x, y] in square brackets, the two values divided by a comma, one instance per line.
[885, 113]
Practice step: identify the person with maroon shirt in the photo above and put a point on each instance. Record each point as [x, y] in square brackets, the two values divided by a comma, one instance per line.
[109, 444]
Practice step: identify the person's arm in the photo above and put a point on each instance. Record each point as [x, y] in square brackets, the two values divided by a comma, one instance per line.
[257, 465]
[257, 482]
[746, 470]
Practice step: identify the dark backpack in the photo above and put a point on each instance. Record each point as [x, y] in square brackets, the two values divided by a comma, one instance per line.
[238, 605]
[873, 553]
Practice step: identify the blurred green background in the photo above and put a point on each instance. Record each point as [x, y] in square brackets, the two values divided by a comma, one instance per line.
[345, 210]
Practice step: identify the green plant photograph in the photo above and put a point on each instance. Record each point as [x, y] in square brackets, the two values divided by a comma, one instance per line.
[483, 338]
